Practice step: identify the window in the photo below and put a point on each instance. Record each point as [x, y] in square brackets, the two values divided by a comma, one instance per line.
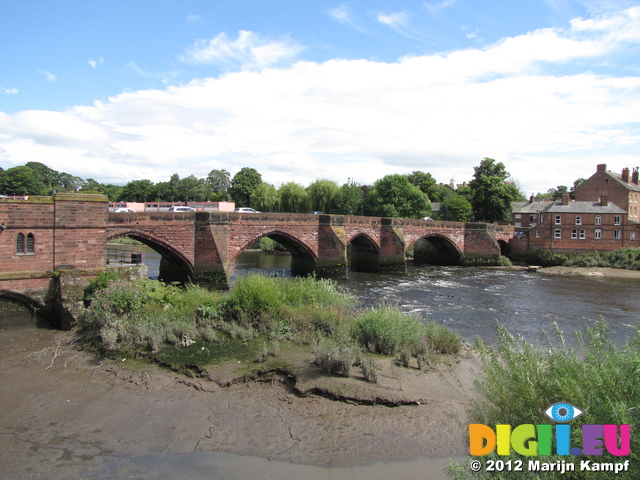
[518, 215]
[598, 220]
[558, 222]
[25, 245]
[632, 236]
[20, 243]
[583, 234]
[616, 234]
[616, 220]
[537, 233]
[557, 233]
[578, 219]
[574, 234]
[518, 224]
[598, 234]
[30, 243]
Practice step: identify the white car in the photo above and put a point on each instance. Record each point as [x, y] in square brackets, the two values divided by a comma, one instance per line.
[181, 209]
[123, 209]
[246, 210]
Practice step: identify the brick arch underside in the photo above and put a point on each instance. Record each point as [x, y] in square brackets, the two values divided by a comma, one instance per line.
[33, 304]
[296, 247]
[435, 249]
[364, 253]
[161, 246]
[303, 258]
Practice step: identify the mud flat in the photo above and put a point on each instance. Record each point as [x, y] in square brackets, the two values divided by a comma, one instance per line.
[67, 414]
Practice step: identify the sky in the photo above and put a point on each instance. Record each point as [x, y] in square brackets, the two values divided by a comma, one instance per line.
[120, 90]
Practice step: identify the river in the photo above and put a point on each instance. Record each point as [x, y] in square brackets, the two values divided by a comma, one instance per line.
[470, 300]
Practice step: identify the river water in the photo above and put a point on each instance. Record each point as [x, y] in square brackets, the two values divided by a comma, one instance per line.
[471, 300]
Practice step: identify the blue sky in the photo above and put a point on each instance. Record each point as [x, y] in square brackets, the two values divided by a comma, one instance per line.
[118, 90]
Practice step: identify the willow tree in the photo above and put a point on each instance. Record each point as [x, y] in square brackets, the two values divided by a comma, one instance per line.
[294, 198]
[266, 198]
[323, 195]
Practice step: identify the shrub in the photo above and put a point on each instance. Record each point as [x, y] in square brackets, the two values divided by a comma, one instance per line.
[387, 330]
[441, 339]
[519, 381]
[370, 369]
[335, 357]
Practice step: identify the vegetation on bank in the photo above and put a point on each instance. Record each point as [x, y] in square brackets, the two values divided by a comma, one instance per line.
[519, 381]
[624, 258]
[124, 317]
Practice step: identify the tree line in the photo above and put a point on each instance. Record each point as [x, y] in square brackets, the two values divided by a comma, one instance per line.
[486, 198]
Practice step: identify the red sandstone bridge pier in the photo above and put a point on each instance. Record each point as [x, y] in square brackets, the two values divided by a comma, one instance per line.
[50, 246]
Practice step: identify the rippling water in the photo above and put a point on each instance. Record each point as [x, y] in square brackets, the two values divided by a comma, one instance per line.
[471, 300]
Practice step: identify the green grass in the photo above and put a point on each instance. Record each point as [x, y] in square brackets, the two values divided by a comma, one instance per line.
[520, 380]
[149, 317]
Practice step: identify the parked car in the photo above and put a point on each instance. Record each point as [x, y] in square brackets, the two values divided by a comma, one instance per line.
[429, 219]
[123, 209]
[246, 210]
[181, 209]
[316, 213]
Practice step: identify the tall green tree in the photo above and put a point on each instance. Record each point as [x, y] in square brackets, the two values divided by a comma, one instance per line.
[22, 181]
[294, 198]
[138, 191]
[323, 195]
[427, 185]
[219, 181]
[491, 197]
[243, 185]
[455, 208]
[266, 198]
[350, 199]
[394, 196]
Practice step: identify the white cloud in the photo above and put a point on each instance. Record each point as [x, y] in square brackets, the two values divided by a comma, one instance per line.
[435, 7]
[94, 63]
[249, 51]
[397, 20]
[48, 75]
[9, 91]
[193, 18]
[363, 119]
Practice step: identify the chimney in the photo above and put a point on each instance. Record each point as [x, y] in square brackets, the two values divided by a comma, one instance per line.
[565, 198]
[625, 175]
[604, 200]
[634, 176]
[531, 199]
[602, 168]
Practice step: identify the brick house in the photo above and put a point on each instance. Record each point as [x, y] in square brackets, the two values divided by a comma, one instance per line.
[621, 189]
[527, 214]
[571, 225]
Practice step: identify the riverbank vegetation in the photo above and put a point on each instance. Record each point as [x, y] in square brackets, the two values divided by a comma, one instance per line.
[520, 380]
[144, 317]
[624, 258]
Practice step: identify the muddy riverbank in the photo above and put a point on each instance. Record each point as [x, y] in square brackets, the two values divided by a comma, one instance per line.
[67, 414]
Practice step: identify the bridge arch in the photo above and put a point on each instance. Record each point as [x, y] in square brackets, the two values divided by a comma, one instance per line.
[363, 253]
[38, 312]
[303, 258]
[174, 266]
[435, 249]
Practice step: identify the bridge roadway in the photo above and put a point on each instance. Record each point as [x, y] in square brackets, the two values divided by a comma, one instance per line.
[51, 246]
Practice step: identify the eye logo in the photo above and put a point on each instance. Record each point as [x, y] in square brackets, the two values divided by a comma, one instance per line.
[563, 412]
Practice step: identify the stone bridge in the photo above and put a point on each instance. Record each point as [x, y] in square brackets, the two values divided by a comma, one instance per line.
[204, 245]
[50, 246]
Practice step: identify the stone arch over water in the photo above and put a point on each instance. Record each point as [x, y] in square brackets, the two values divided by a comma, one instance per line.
[174, 266]
[303, 259]
[436, 250]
